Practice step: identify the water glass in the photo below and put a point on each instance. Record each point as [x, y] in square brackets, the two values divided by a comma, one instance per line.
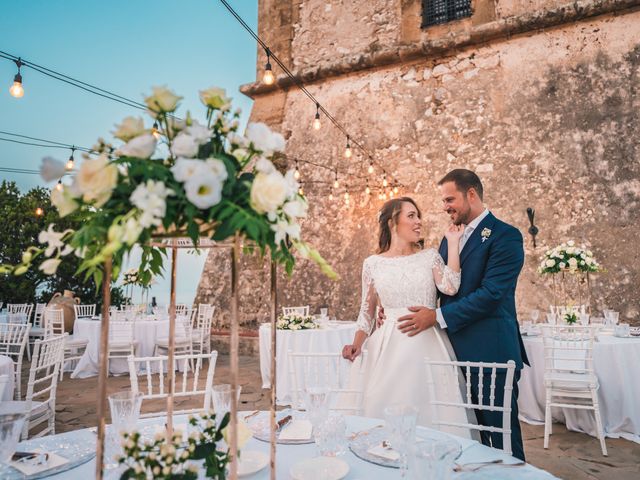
[611, 317]
[331, 436]
[551, 318]
[400, 422]
[10, 429]
[584, 319]
[125, 409]
[221, 397]
[622, 330]
[433, 460]
[324, 312]
[316, 403]
[535, 315]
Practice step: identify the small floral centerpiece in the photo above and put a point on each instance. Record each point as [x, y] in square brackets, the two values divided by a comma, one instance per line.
[568, 257]
[179, 178]
[130, 277]
[570, 317]
[296, 322]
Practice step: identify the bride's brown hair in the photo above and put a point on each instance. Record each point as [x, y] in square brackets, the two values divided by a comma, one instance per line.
[388, 216]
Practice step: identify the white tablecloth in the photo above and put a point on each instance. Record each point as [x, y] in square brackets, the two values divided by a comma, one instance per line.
[144, 331]
[4, 318]
[6, 368]
[616, 362]
[288, 455]
[325, 340]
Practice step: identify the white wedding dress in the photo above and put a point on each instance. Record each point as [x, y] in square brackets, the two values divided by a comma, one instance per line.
[394, 369]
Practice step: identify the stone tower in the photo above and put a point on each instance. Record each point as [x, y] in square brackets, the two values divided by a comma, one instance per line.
[540, 98]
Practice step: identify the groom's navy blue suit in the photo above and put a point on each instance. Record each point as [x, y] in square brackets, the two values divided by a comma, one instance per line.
[481, 317]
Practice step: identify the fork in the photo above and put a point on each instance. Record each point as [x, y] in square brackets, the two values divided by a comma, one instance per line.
[472, 467]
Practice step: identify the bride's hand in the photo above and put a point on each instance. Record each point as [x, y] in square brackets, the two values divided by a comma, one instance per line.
[454, 233]
[351, 352]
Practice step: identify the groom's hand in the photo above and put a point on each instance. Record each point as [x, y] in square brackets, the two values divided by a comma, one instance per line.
[381, 317]
[418, 321]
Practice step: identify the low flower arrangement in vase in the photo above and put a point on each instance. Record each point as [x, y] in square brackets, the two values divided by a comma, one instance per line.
[296, 322]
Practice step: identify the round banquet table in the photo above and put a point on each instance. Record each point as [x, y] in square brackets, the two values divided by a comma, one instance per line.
[288, 455]
[6, 368]
[144, 331]
[615, 362]
[322, 340]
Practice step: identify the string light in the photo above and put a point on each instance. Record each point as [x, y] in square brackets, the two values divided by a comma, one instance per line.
[155, 131]
[300, 191]
[395, 189]
[71, 161]
[346, 196]
[17, 90]
[296, 174]
[370, 170]
[39, 212]
[59, 185]
[384, 181]
[367, 190]
[316, 120]
[331, 194]
[268, 78]
[336, 184]
[390, 193]
[347, 150]
[384, 196]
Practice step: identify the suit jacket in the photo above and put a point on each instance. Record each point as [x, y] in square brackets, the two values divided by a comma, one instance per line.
[481, 318]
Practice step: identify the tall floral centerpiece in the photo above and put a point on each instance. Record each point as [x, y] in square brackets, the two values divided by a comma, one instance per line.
[569, 266]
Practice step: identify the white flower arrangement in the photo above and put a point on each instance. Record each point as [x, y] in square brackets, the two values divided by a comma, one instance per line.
[296, 322]
[568, 257]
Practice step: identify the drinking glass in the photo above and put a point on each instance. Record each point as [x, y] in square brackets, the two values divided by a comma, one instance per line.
[611, 317]
[433, 460]
[316, 403]
[584, 319]
[324, 312]
[221, 397]
[10, 428]
[400, 423]
[535, 314]
[125, 412]
[551, 318]
[331, 436]
[526, 326]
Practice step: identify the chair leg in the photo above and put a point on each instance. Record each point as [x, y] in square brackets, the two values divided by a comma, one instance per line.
[547, 420]
[29, 349]
[600, 430]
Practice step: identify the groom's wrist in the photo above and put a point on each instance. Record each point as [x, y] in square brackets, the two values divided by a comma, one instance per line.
[440, 318]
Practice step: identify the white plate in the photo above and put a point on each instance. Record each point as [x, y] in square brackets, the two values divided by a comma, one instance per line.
[251, 462]
[319, 468]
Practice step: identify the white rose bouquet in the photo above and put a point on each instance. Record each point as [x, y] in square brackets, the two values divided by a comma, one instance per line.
[568, 257]
[213, 182]
[296, 322]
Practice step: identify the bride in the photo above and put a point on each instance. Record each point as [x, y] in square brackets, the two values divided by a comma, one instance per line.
[400, 276]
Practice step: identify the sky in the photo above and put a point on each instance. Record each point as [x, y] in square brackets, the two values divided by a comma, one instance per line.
[126, 47]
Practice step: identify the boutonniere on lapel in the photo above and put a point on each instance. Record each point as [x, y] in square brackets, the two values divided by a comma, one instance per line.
[486, 233]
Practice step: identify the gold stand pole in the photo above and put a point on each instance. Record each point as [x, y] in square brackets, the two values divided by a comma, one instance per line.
[233, 437]
[104, 367]
[272, 413]
[172, 344]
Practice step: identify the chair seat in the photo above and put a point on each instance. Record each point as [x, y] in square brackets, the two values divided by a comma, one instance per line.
[37, 408]
[71, 342]
[571, 381]
[164, 342]
[123, 344]
[36, 332]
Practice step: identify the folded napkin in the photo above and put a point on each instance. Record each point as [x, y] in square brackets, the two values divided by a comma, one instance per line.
[297, 430]
[30, 467]
[387, 453]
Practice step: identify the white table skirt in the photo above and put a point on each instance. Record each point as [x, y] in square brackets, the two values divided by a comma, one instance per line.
[324, 340]
[288, 455]
[144, 331]
[6, 368]
[616, 362]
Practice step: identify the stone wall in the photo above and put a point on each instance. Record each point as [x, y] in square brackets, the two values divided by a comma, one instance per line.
[549, 120]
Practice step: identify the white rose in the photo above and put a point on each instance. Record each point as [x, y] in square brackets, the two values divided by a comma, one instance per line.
[218, 168]
[571, 243]
[63, 201]
[283, 228]
[185, 168]
[563, 265]
[264, 165]
[292, 184]
[550, 263]
[130, 128]
[96, 179]
[139, 147]
[243, 434]
[268, 192]
[162, 100]
[184, 145]
[570, 250]
[296, 208]
[51, 169]
[264, 139]
[204, 190]
[214, 97]
[573, 263]
[50, 266]
[237, 139]
[240, 153]
[132, 231]
[199, 132]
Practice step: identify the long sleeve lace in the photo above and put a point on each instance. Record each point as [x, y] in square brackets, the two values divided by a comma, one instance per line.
[445, 279]
[369, 301]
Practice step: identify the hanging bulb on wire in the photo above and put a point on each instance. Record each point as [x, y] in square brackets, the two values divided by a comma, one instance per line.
[268, 78]
[370, 170]
[300, 191]
[59, 185]
[39, 212]
[367, 190]
[390, 193]
[296, 174]
[17, 90]
[395, 189]
[71, 162]
[330, 194]
[336, 184]
[347, 150]
[316, 120]
[384, 181]
[346, 195]
[155, 131]
[384, 196]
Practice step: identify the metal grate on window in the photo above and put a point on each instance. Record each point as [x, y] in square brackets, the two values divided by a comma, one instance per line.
[435, 12]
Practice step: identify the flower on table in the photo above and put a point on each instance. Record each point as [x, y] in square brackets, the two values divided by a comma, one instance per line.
[283, 228]
[244, 434]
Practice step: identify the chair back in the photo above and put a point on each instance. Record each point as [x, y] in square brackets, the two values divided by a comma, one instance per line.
[183, 309]
[53, 322]
[326, 370]
[4, 381]
[13, 341]
[204, 318]
[153, 384]
[38, 315]
[25, 308]
[568, 349]
[120, 332]
[451, 372]
[84, 311]
[302, 311]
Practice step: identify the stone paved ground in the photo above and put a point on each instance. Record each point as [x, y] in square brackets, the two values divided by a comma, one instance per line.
[572, 456]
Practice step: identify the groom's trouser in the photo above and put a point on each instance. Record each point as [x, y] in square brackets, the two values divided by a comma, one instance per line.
[494, 419]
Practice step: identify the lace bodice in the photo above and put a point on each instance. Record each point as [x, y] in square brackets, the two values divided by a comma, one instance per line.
[402, 282]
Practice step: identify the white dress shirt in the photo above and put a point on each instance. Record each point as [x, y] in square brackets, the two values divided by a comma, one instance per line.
[468, 230]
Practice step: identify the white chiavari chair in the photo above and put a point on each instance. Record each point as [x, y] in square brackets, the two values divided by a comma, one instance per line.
[85, 311]
[302, 311]
[439, 372]
[14, 338]
[4, 381]
[188, 384]
[19, 312]
[121, 340]
[330, 371]
[74, 348]
[40, 401]
[37, 329]
[569, 377]
[201, 333]
[183, 338]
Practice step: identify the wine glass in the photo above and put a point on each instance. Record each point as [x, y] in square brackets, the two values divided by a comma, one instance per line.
[401, 427]
[221, 397]
[10, 429]
[535, 315]
[316, 403]
[551, 318]
[125, 412]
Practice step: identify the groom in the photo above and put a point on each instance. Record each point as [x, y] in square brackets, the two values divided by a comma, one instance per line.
[481, 318]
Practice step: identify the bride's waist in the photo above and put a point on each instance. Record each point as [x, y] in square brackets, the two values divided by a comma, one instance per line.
[393, 314]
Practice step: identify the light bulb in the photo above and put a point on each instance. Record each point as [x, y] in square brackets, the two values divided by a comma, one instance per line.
[395, 190]
[70, 163]
[331, 196]
[336, 184]
[384, 196]
[316, 122]
[39, 212]
[390, 193]
[296, 174]
[268, 78]
[59, 185]
[370, 168]
[300, 191]
[346, 195]
[384, 182]
[155, 131]
[17, 90]
[346, 201]
[367, 190]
